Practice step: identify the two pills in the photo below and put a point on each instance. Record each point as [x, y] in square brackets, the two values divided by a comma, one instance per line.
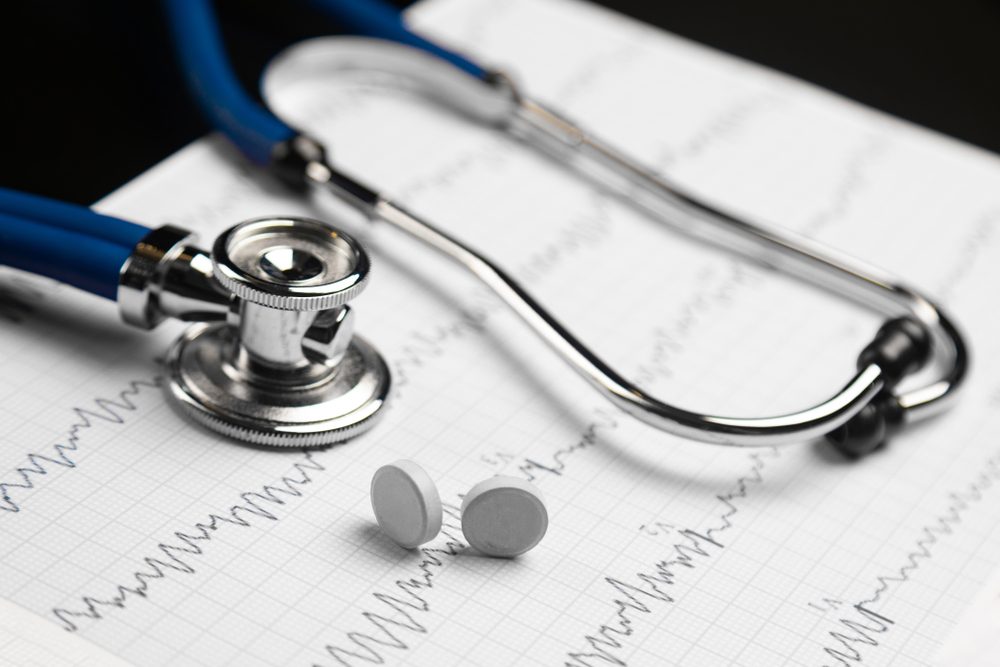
[501, 516]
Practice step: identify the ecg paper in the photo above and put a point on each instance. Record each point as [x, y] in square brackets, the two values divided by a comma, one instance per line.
[163, 544]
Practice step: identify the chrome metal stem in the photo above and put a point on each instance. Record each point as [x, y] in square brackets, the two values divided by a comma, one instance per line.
[672, 204]
[735, 431]
[284, 368]
[496, 102]
[167, 276]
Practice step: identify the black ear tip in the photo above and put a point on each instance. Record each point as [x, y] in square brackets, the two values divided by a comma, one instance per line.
[917, 333]
[868, 430]
[900, 347]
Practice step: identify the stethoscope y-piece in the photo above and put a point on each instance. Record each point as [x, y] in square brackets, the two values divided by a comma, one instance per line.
[875, 401]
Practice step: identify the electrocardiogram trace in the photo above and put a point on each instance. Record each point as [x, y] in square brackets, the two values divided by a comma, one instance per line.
[113, 411]
[580, 233]
[859, 631]
[177, 556]
[637, 597]
[361, 644]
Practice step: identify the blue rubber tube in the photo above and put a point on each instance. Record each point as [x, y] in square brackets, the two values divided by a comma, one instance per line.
[71, 217]
[80, 260]
[253, 129]
[376, 18]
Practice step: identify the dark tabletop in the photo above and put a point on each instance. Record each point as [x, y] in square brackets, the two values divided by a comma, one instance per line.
[91, 96]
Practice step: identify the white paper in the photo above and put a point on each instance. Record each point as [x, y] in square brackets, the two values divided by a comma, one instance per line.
[164, 544]
[28, 640]
[975, 639]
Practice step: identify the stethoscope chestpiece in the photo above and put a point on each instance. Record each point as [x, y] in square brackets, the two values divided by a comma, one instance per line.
[284, 368]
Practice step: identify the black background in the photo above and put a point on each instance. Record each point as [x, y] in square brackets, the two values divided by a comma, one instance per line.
[91, 96]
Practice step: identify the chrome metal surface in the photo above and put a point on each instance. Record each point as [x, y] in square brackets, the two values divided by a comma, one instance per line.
[205, 384]
[290, 264]
[756, 431]
[498, 103]
[399, 66]
[283, 368]
[545, 129]
[331, 332]
[166, 277]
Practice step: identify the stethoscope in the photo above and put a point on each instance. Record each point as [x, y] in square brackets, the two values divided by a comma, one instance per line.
[273, 358]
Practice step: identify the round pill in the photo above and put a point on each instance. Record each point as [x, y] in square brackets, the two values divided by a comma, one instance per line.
[504, 516]
[406, 503]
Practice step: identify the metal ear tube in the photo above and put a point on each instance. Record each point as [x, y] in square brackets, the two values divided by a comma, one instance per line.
[274, 359]
[913, 369]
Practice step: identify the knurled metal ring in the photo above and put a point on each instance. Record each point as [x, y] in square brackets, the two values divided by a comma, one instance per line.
[290, 264]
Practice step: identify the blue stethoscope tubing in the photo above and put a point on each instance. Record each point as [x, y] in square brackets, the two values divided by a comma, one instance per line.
[65, 242]
[78, 246]
[255, 131]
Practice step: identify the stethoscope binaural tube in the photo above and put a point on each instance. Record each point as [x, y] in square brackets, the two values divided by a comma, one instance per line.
[858, 418]
[68, 243]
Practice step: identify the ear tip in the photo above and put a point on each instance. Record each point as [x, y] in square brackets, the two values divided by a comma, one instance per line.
[868, 430]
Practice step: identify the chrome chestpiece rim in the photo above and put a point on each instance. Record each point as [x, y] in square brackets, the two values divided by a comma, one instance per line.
[283, 368]
[290, 264]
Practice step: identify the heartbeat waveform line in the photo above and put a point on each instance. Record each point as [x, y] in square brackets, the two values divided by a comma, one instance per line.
[176, 556]
[941, 526]
[105, 410]
[855, 632]
[722, 125]
[607, 638]
[582, 232]
[385, 629]
[426, 345]
[391, 621]
[720, 288]
[844, 648]
[604, 420]
[362, 646]
[975, 246]
[631, 604]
